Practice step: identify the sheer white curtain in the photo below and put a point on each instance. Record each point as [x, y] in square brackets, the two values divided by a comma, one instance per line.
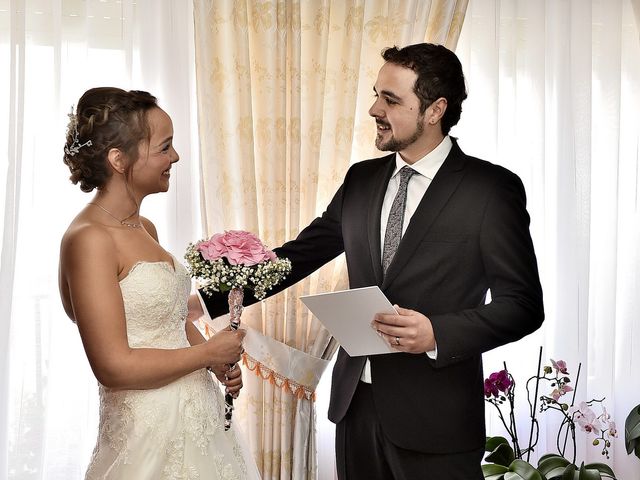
[553, 95]
[50, 52]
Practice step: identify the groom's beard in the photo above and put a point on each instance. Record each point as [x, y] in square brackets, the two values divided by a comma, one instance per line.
[399, 144]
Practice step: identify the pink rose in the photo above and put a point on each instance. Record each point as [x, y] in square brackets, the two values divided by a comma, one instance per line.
[237, 246]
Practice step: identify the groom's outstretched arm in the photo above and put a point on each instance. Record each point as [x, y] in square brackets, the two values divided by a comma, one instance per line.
[319, 243]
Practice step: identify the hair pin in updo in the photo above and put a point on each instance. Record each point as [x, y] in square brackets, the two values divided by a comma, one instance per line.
[75, 146]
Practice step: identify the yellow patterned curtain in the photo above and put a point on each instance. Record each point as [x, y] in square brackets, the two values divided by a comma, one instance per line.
[636, 11]
[283, 91]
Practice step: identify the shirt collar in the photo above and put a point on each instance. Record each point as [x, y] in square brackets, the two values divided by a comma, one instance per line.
[428, 165]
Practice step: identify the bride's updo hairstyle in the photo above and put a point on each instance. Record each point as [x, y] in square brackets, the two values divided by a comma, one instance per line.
[105, 118]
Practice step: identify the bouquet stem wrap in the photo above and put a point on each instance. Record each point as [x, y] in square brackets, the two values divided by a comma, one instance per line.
[236, 295]
[232, 261]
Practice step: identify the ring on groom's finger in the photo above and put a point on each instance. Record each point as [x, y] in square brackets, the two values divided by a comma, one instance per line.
[398, 341]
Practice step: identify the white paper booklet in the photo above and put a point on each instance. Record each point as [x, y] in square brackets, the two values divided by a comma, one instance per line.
[348, 314]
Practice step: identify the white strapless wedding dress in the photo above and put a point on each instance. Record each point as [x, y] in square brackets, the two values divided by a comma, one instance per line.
[177, 431]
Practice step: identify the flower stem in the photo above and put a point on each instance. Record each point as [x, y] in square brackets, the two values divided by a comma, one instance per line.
[572, 424]
[512, 417]
[494, 402]
[535, 399]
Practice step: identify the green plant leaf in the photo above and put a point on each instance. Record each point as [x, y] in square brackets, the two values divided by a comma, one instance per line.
[549, 455]
[502, 455]
[587, 474]
[570, 472]
[632, 431]
[492, 443]
[525, 470]
[492, 471]
[602, 468]
[517, 476]
[552, 466]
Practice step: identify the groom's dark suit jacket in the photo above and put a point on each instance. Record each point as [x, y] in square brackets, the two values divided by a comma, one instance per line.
[469, 234]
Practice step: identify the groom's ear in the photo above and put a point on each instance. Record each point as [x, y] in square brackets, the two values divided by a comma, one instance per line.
[436, 110]
[117, 160]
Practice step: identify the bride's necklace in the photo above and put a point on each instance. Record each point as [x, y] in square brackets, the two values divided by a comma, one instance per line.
[121, 222]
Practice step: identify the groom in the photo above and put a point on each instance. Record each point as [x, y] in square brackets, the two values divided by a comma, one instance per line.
[436, 230]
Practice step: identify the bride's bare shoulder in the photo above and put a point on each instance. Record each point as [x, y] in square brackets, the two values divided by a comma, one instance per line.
[149, 227]
[85, 238]
[86, 249]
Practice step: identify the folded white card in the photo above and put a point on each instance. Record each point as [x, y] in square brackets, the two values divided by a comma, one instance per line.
[348, 314]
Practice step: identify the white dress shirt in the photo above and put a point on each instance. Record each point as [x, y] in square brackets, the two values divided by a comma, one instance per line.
[426, 169]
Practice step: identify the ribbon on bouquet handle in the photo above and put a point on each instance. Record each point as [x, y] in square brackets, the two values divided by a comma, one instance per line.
[236, 296]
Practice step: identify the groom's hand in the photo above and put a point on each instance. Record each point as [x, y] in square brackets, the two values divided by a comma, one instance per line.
[408, 331]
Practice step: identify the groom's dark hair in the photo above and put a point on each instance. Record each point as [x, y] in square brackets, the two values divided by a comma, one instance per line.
[439, 75]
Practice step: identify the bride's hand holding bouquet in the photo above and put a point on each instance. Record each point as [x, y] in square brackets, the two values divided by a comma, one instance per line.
[224, 349]
[232, 262]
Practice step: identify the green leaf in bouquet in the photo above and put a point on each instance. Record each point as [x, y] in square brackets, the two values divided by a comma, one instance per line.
[501, 453]
[632, 431]
[492, 471]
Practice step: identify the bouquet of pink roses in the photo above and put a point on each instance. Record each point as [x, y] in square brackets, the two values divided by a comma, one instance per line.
[235, 259]
[230, 262]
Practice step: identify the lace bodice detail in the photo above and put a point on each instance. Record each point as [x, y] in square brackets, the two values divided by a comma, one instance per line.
[175, 431]
[155, 304]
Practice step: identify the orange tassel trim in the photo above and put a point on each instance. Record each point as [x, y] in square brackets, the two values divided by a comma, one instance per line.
[265, 373]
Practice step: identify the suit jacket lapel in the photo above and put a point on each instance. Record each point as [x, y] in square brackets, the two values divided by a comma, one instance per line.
[442, 187]
[373, 220]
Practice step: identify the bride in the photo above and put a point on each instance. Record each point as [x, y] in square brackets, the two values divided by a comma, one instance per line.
[161, 411]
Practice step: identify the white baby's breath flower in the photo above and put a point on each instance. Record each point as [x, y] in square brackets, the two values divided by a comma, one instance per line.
[219, 276]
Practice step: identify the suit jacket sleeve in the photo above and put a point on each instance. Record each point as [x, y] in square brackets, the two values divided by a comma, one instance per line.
[510, 268]
[316, 245]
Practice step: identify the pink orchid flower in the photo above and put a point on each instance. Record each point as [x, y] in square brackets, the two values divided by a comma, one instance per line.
[589, 423]
[609, 423]
[496, 383]
[585, 418]
[579, 410]
[558, 392]
[560, 366]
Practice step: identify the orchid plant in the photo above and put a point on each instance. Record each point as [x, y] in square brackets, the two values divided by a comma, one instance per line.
[632, 431]
[511, 461]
